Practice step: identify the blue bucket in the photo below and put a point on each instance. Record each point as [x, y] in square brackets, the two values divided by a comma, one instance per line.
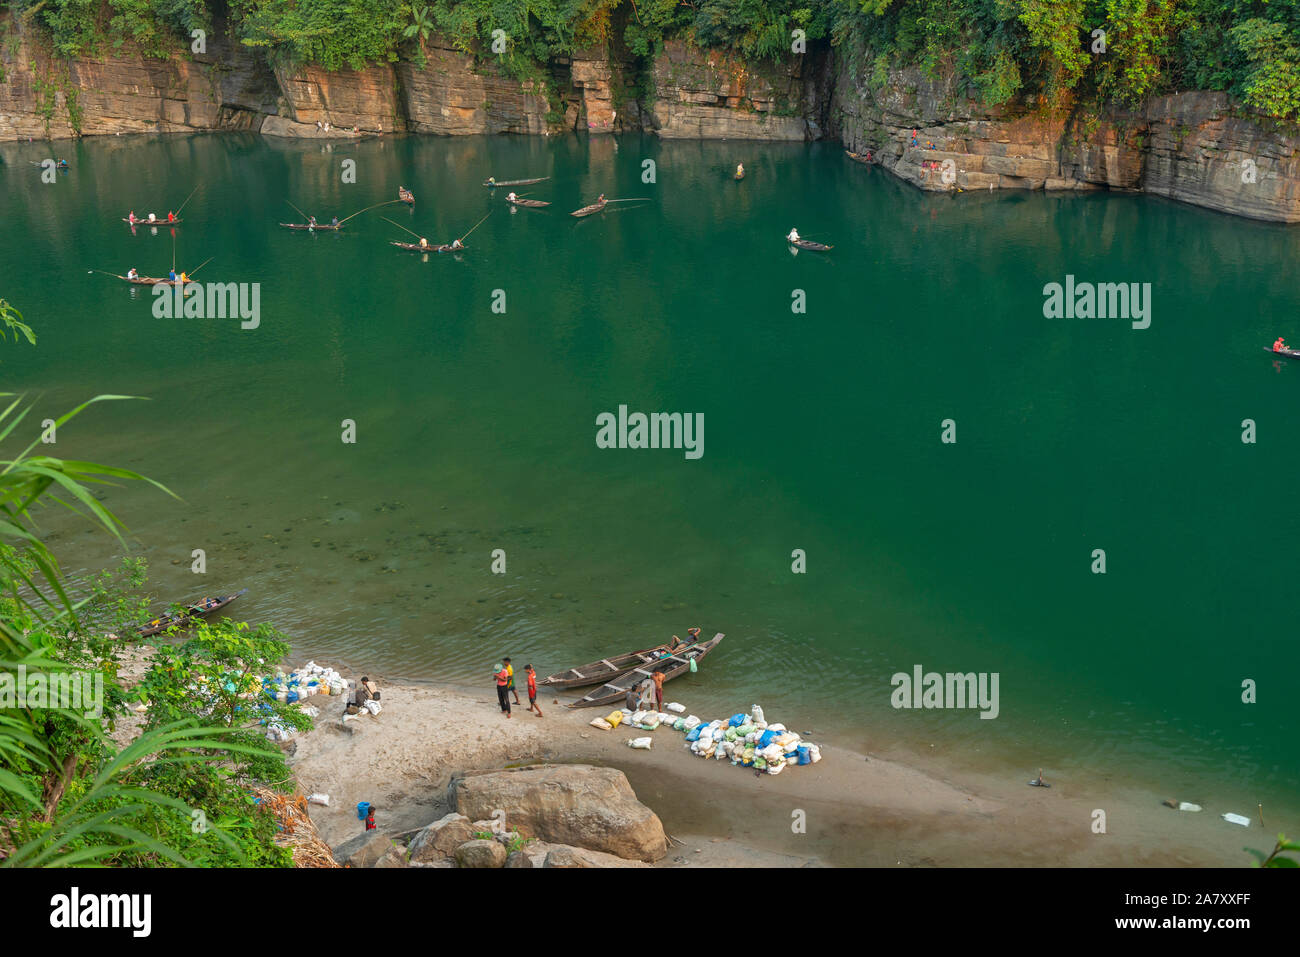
[363, 810]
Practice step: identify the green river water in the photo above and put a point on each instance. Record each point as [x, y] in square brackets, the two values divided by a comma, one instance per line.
[476, 431]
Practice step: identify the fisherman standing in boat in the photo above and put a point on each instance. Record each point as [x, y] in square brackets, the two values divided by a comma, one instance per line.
[130, 217]
[172, 275]
[1280, 345]
[171, 217]
[492, 180]
[424, 243]
[153, 218]
[794, 235]
[311, 222]
[740, 170]
[335, 222]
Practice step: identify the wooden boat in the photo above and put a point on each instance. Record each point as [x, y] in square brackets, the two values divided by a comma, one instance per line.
[156, 222]
[616, 689]
[159, 625]
[859, 158]
[530, 203]
[514, 182]
[431, 248]
[607, 668]
[1284, 353]
[810, 245]
[406, 196]
[153, 281]
[588, 210]
[319, 226]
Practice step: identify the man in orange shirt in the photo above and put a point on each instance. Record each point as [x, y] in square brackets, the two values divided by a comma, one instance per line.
[532, 690]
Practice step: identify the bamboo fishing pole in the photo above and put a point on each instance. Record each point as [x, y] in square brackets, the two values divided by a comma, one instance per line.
[368, 208]
[639, 199]
[201, 265]
[187, 200]
[474, 227]
[400, 226]
[299, 211]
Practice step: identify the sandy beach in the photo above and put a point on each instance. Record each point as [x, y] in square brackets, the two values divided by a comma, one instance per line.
[860, 809]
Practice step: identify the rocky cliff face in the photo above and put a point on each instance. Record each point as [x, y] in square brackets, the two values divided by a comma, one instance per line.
[1194, 147]
[1199, 148]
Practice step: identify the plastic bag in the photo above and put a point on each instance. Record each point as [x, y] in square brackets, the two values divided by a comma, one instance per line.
[676, 708]
[736, 720]
[757, 714]
[642, 744]
[373, 706]
[602, 724]
[614, 718]
[321, 799]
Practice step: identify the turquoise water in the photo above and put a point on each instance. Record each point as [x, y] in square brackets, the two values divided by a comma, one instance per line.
[476, 431]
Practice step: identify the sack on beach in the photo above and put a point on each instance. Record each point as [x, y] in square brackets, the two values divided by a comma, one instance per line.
[321, 799]
[676, 708]
[814, 753]
[776, 727]
[776, 768]
[642, 744]
[679, 724]
[757, 714]
[602, 724]
[373, 706]
[737, 720]
[691, 721]
[614, 718]
[693, 734]
[651, 721]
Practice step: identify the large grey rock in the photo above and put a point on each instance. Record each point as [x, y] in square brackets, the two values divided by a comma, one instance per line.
[365, 850]
[581, 857]
[481, 853]
[579, 805]
[440, 839]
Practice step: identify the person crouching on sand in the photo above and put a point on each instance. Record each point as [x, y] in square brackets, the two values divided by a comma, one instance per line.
[532, 690]
[503, 693]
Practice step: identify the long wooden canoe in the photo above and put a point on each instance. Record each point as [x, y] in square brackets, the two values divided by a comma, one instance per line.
[530, 203]
[859, 158]
[153, 281]
[154, 222]
[514, 182]
[319, 226]
[159, 625]
[616, 689]
[588, 210]
[810, 245]
[605, 669]
[1284, 353]
[431, 248]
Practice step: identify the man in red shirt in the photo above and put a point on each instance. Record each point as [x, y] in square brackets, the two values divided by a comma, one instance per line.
[503, 687]
[1280, 345]
[532, 690]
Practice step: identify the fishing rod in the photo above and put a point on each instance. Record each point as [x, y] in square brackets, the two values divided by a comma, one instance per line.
[400, 226]
[474, 227]
[187, 199]
[200, 266]
[368, 208]
[641, 199]
[299, 211]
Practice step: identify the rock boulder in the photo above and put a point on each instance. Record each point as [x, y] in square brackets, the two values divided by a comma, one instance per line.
[587, 807]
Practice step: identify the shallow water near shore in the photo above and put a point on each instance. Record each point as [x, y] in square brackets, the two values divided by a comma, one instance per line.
[476, 431]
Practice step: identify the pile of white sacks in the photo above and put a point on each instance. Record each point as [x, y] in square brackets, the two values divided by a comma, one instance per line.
[744, 739]
[297, 686]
